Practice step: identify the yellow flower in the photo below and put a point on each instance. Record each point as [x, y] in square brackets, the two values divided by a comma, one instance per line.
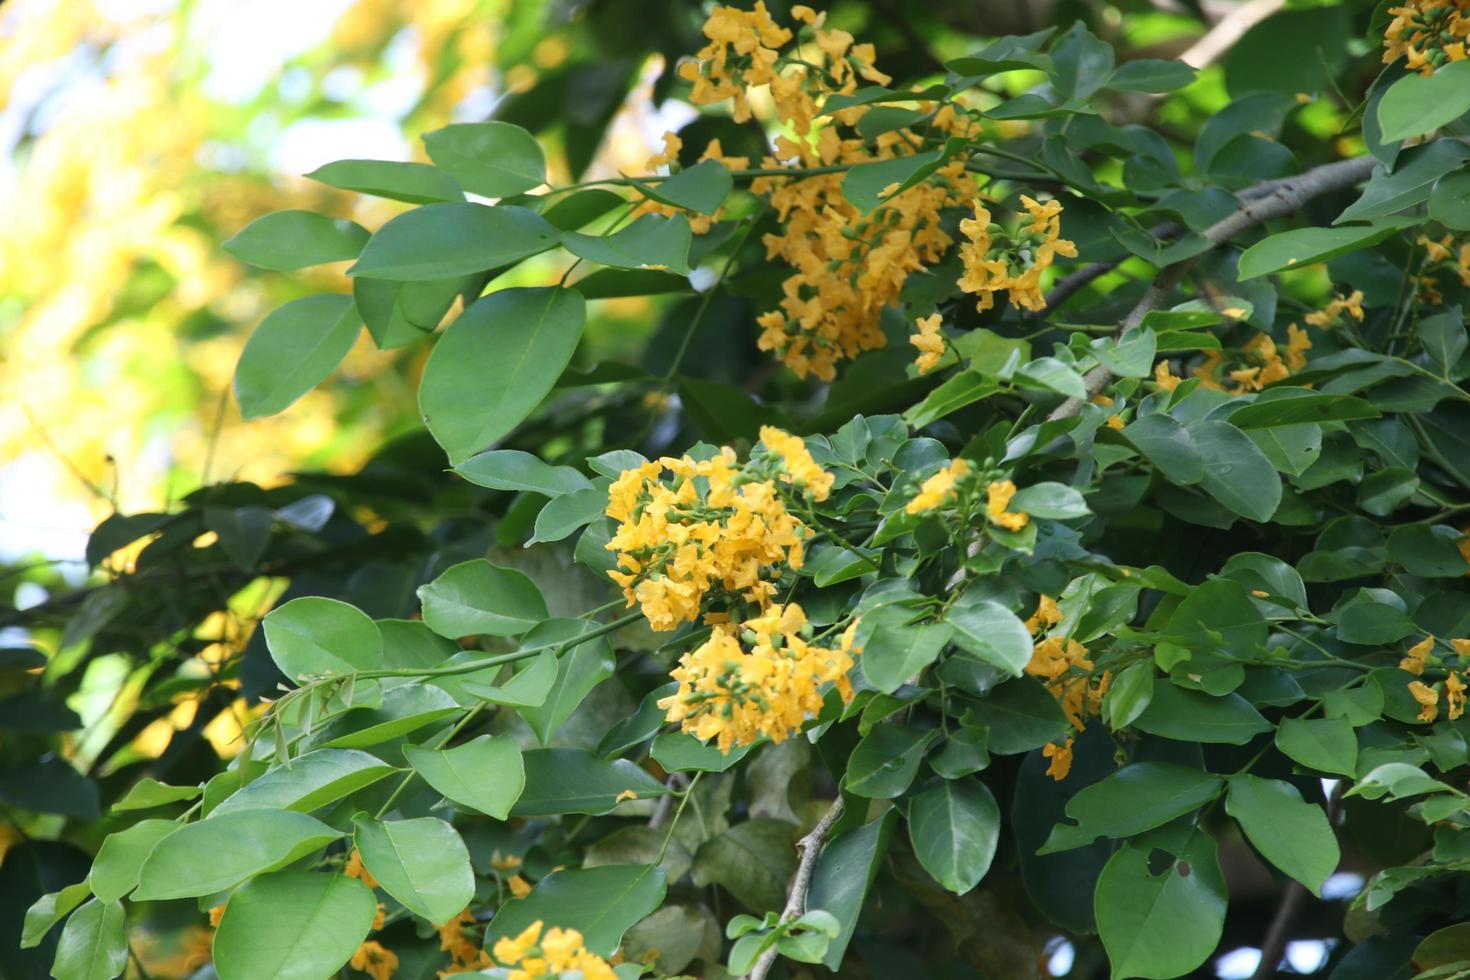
[1462, 646]
[1061, 759]
[1162, 377]
[518, 885]
[381, 917]
[1047, 615]
[801, 469]
[511, 951]
[1454, 690]
[1428, 698]
[1418, 656]
[938, 489]
[999, 496]
[929, 342]
[1297, 344]
[374, 960]
[560, 951]
[1332, 313]
[1436, 251]
[1427, 34]
[504, 863]
[995, 261]
[669, 154]
[215, 914]
[761, 678]
[464, 953]
[355, 869]
[1115, 422]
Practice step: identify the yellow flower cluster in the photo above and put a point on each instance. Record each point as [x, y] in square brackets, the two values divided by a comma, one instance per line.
[465, 953]
[939, 488]
[761, 678]
[1331, 314]
[1443, 254]
[710, 526]
[1063, 665]
[1426, 695]
[929, 342]
[1427, 33]
[998, 499]
[1164, 378]
[996, 260]
[1262, 362]
[798, 467]
[559, 951]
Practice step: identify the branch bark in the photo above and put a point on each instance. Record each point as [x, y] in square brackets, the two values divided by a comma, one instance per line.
[1283, 198]
[801, 882]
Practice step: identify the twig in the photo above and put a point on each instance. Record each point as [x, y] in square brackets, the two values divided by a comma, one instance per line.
[1285, 197]
[665, 805]
[1230, 28]
[801, 882]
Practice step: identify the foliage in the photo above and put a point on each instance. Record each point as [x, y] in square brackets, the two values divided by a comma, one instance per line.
[1093, 572]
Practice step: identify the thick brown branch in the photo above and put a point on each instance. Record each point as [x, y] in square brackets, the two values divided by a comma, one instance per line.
[1284, 197]
[801, 882]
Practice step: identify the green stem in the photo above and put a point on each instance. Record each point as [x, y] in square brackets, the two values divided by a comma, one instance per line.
[674, 823]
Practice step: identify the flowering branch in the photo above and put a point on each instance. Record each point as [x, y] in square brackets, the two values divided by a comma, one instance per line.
[801, 883]
[1285, 197]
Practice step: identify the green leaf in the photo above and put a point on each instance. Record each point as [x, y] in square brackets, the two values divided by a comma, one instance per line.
[1237, 473]
[1371, 623]
[601, 903]
[1449, 201]
[864, 183]
[404, 709]
[886, 761]
[315, 635]
[701, 188]
[528, 688]
[1445, 947]
[115, 868]
[1304, 246]
[580, 208]
[1129, 695]
[1161, 923]
[492, 159]
[652, 241]
[485, 774]
[567, 514]
[1151, 75]
[495, 364]
[1052, 375]
[1290, 406]
[148, 792]
[1081, 64]
[681, 752]
[288, 240]
[1192, 716]
[294, 925]
[512, 469]
[312, 780]
[753, 860]
[415, 183]
[292, 351]
[422, 863]
[843, 875]
[94, 943]
[1417, 103]
[992, 633]
[1410, 183]
[441, 241]
[1130, 355]
[1429, 550]
[1292, 834]
[1055, 501]
[1444, 338]
[578, 670]
[954, 826]
[1219, 616]
[576, 781]
[1022, 715]
[217, 853]
[964, 388]
[401, 313]
[831, 564]
[1323, 744]
[476, 597]
[1134, 799]
[50, 909]
[893, 654]
[1168, 445]
[1259, 573]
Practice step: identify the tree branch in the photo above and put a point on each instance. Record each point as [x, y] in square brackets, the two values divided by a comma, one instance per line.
[801, 882]
[1284, 197]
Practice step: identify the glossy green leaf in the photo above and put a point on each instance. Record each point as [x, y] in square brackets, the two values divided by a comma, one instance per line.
[886, 761]
[287, 240]
[992, 633]
[1303, 246]
[1324, 744]
[484, 774]
[1236, 473]
[313, 780]
[651, 242]
[1449, 201]
[441, 241]
[404, 710]
[579, 669]
[843, 875]
[753, 860]
[477, 597]
[492, 159]
[293, 925]
[50, 909]
[892, 654]
[575, 781]
[115, 868]
[865, 184]
[512, 469]
[1192, 716]
[1168, 446]
[1132, 800]
[1417, 103]
[567, 514]
[600, 903]
[217, 853]
[701, 188]
[314, 635]
[1022, 715]
[495, 364]
[1292, 834]
[292, 351]
[148, 793]
[955, 826]
[422, 862]
[1151, 75]
[415, 183]
[94, 943]
[1055, 501]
